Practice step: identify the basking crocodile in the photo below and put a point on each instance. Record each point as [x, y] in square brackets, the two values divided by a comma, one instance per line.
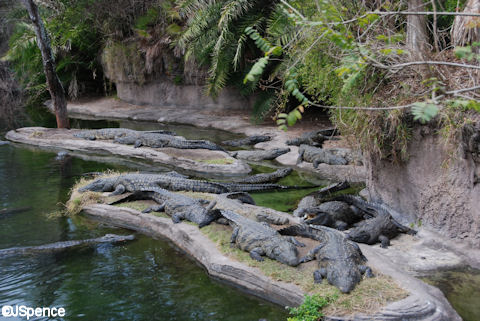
[317, 155]
[380, 228]
[259, 155]
[131, 182]
[315, 198]
[112, 133]
[178, 207]
[266, 177]
[260, 239]
[61, 246]
[251, 140]
[158, 140]
[340, 261]
[336, 214]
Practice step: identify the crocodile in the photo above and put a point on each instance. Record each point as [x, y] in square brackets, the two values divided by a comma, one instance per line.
[131, 182]
[178, 207]
[112, 133]
[61, 246]
[259, 155]
[259, 239]
[381, 227]
[314, 199]
[340, 260]
[5, 212]
[251, 140]
[158, 140]
[266, 177]
[317, 155]
[339, 215]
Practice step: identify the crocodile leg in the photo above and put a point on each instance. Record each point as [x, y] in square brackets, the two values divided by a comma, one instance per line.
[257, 253]
[300, 157]
[177, 217]
[318, 275]
[120, 189]
[311, 255]
[367, 271]
[138, 143]
[385, 242]
[295, 242]
[234, 236]
[155, 208]
[340, 225]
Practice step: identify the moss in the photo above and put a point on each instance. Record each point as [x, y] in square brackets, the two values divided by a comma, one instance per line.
[123, 61]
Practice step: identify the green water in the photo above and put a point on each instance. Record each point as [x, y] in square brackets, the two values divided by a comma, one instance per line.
[145, 279]
[462, 289]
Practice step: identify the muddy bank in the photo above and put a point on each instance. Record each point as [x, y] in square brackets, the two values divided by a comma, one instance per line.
[199, 161]
[233, 121]
[437, 187]
[423, 302]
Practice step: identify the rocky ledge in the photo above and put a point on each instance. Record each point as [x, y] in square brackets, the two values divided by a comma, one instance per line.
[420, 302]
[198, 161]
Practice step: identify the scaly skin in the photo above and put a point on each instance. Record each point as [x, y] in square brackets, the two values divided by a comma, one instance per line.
[178, 207]
[251, 140]
[112, 133]
[317, 155]
[381, 228]
[259, 155]
[156, 140]
[266, 177]
[334, 214]
[260, 239]
[339, 260]
[61, 246]
[131, 182]
[315, 198]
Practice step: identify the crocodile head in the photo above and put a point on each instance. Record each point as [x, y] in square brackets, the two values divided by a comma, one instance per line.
[117, 238]
[284, 252]
[100, 185]
[280, 151]
[344, 276]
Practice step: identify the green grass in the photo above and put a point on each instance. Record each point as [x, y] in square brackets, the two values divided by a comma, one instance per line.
[218, 161]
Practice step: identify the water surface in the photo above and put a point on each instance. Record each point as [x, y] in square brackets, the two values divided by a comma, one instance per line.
[145, 279]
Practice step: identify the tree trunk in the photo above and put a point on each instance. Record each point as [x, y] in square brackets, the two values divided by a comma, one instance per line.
[417, 37]
[53, 82]
[465, 30]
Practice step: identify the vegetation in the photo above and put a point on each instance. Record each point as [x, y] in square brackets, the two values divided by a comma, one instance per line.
[352, 58]
[311, 308]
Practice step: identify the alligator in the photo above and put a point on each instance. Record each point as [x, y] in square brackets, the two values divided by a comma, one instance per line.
[5, 212]
[61, 246]
[381, 227]
[131, 182]
[158, 140]
[112, 133]
[314, 199]
[251, 140]
[259, 155]
[266, 177]
[340, 260]
[260, 239]
[339, 215]
[317, 155]
[178, 207]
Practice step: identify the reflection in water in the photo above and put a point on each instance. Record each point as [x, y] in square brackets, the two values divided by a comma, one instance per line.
[462, 289]
[142, 280]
